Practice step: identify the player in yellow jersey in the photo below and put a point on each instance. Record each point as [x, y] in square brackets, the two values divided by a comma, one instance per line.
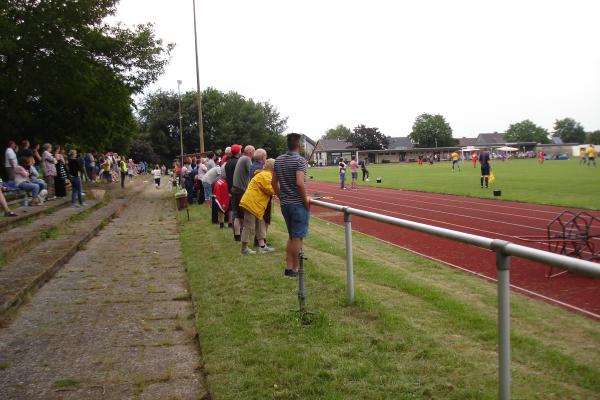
[455, 161]
[582, 155]
[591, 155]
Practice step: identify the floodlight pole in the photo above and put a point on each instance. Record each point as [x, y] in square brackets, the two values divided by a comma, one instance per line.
[180, 124]
[198, 94]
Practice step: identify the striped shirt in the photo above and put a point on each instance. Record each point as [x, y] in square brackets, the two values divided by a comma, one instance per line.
[286, 166]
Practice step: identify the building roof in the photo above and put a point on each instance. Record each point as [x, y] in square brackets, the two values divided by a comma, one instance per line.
[485, 139]
[467, 141]
[400, 143]
[556, 140]
[334, 145]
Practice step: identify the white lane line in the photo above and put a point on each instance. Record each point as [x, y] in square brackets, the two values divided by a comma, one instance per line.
[530, 292]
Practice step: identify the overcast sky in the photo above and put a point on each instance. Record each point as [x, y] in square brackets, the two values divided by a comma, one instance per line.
[481, 64]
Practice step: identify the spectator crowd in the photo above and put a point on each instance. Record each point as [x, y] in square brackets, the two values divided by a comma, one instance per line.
[239, 187]
[45, 172]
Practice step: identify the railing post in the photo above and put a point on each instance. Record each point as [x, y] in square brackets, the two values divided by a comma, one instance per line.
[349, 261]
[503, 269]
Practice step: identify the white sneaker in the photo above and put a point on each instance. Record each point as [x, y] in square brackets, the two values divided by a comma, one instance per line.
[367, 180]
[266, 249]
[247, 250]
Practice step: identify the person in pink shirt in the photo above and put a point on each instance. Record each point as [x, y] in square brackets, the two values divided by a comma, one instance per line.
[354, 170]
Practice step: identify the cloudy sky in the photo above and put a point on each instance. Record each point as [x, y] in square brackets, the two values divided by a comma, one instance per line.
[482, 64]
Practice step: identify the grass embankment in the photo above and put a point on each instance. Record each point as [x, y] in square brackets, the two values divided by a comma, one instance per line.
[418, 329]
[563, 183]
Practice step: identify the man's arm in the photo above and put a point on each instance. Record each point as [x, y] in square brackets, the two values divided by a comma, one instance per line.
[301, 188]
[275, 184]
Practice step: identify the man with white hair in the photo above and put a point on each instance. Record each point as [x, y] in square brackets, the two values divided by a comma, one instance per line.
[241, 178]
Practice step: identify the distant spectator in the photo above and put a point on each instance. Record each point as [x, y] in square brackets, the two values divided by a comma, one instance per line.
[74, 170]
[105, 168]
[342, 171]
[254, 203]
[10, 160]
[211, 160]
[122, 170]
[156, 173]
[23, 182]
[25, 150]
[365, 171]
[241, 178]
[49, 169]
[130, 169]
[288, 184]
[484, 161]
[230, 165]
[226, 156]
[33, 177]
[220, 198]
[205, 189]
[60, 180]
[354, 171]
[90, 166]
[36, 155]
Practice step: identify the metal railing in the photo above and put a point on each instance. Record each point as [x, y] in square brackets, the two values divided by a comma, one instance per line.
[503, 249]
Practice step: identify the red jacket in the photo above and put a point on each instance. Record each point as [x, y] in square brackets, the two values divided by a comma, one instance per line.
[221, 193]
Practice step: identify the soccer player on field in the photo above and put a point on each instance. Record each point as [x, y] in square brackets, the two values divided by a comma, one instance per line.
[591, 155]
[582, 156]
[541, 157]
[454, 157]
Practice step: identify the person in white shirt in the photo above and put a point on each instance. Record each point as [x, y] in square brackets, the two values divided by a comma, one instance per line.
[10, 160]
[156, 173]
[342, 170]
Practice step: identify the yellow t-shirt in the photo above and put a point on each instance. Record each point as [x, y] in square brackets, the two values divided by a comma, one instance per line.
[591, 152]
[454, 156]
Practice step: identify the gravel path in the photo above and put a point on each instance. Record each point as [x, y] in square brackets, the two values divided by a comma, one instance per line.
[115, 323]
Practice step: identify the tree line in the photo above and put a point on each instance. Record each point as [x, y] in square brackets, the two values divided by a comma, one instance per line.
[430, 131]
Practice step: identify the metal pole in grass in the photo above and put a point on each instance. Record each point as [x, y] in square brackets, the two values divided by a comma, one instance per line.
[503, 269]
[349, 260]
[301, 289]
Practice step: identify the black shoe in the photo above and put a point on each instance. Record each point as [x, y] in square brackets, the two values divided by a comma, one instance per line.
[237, 238]
[221, 226]
[288, 273]
[230, 225]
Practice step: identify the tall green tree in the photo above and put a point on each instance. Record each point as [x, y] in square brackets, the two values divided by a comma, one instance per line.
[569, 130]
[68, 77]
[526, 131]
[432, 131]
[227, 117]
[340, 132]
[365, 138]
[593, 137]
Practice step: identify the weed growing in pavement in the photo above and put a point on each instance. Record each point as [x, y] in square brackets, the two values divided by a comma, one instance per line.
[66, 384]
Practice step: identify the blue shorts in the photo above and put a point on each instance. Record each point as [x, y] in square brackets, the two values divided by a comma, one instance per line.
[296, 218]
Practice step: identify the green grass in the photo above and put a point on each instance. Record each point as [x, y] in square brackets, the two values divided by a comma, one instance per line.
[66, 384]
[418, 329]
[563, 183]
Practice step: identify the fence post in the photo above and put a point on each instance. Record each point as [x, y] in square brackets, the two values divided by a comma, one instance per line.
[503, 269]
[349, 261]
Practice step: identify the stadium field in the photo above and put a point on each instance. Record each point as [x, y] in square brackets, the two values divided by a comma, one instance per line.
[562, 183]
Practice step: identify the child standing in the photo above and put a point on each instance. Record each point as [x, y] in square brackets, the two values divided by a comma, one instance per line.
[342, 170]
[156, 173]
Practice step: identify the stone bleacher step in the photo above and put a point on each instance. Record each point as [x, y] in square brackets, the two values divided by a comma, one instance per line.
[22, 237]
[23, 276]
[27, 213]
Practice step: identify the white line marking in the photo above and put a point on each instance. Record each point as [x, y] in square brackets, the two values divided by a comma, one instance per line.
[535, 294]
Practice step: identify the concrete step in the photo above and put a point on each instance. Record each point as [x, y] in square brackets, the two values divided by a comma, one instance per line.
[25, 214]
[23, 276]
[17, 240]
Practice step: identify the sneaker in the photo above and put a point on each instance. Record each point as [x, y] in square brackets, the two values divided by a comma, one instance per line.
[247, 250]
[292, 274]
[266, 249]
[83, 204]
[237, 238]
[368, 180]
[75, 205]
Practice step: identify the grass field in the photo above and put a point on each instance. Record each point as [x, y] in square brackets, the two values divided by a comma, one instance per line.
[563, 183]
[418, 330]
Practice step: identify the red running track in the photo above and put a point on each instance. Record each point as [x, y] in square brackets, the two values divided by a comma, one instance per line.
[491, 218]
